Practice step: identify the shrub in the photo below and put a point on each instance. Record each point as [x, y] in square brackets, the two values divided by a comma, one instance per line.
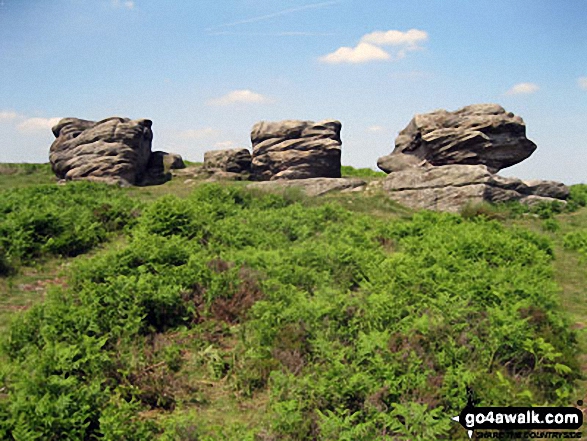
[59, 220]
[351, 338]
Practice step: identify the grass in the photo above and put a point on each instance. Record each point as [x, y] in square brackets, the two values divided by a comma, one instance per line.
[348, 171]
[24, 175]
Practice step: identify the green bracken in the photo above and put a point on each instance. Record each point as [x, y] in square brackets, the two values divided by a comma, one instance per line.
[352, 326]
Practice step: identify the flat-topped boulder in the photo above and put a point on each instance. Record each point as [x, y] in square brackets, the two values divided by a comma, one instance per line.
[113, 150]
[312, 186]
[295, 149]
[480, 134]
[451, 187]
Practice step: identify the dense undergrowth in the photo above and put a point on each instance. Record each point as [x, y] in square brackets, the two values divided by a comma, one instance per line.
[66, 221]
[354, 326]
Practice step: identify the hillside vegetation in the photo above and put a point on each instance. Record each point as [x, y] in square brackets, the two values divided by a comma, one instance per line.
[231, 314]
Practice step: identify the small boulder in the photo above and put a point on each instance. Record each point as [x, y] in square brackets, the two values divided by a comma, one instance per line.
[172, 161]
[229, 160]
[296, 150]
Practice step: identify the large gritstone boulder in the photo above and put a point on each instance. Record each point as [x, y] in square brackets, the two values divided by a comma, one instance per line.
[296, 150]
[446, 160]
[114, 150]
[480, 134]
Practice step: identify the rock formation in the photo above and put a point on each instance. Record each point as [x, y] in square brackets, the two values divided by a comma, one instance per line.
[171, 161]
[114, 150]
[451, 187]
[296, 150]
[479, 134]
[230, 160]
[312, 186]
[446, 160]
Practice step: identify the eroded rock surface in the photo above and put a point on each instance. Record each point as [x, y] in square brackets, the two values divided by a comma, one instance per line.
[480, 134]
[312, 186]
[114, 150]
[229, 160]
[446, 160]
[294, 149]
[451, 187]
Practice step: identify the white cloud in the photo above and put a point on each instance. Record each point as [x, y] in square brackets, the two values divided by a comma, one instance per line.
[128, 4]
[363, 53]
[582, 82]
[375, 129]
[523, 89]
[396, 38]
[8, 115]
[37, 124]
[369, 47]
[239, 96]
[207, 132]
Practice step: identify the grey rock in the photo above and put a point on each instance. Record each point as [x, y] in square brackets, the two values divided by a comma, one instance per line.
[533, 200]
[172, 161]
[480, 134]
[230, 160]
[398, 162]
[451, 187]
[155, 173]
[294, 149]
[548, 189]
[114, 150]
[221, 175]
[312, 186]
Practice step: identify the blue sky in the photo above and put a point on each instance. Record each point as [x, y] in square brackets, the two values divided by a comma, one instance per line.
[205, 71]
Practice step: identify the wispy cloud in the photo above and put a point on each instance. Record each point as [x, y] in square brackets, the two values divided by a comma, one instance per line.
[128, 4]
[375, 129]
[523, 89]
[239, 96]
[275, 14]
[582, 82]
[277, 34]
[37, 124]
[370, 45]
[8, 115]
[205, 133]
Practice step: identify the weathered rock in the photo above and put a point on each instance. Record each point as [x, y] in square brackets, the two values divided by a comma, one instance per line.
[221, 175]
[451, 187]
[230, 160]
[481, 134]
[155, 173]
[296, 150]
[171, 161]
[112, 150]
[312, 186]
[548, 189]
